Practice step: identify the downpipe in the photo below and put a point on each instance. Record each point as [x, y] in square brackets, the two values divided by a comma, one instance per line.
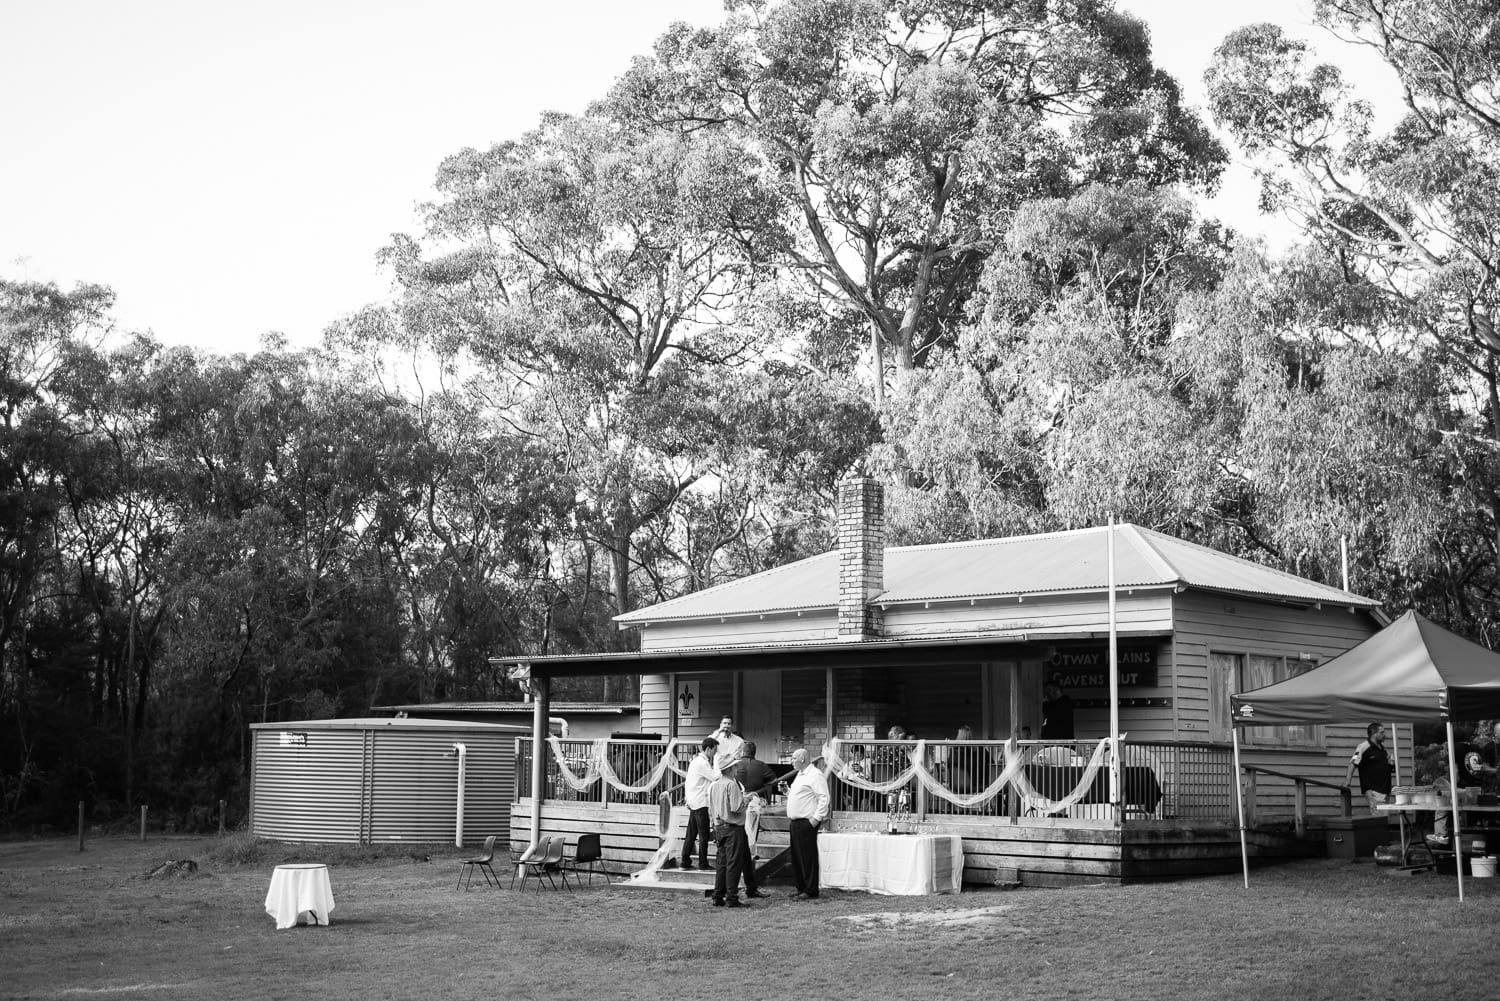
[462, 751]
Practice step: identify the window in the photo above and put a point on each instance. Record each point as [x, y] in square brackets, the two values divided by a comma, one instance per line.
[1248, 672]
[1223, 681]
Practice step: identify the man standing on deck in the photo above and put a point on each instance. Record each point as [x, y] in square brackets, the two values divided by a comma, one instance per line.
[729, 743]
[1057, 712]
[807, 806]
[757, 777]
[701, 774]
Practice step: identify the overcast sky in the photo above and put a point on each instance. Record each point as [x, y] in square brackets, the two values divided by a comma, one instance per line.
[233, 171]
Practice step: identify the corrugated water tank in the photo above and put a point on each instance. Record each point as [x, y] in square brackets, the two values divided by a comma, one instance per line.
[366, 781]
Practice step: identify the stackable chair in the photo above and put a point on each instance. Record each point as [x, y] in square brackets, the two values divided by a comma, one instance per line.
[545, 862]
[530, 861]
[587, 855]
[483, 862]
[554, 863]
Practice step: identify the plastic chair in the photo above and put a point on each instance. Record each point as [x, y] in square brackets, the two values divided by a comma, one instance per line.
[553, 863]
[545, 861]
[484, 863]
[587, 853]
[530, 861]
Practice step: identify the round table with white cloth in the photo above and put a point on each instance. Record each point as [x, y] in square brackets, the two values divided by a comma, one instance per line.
[300, 888]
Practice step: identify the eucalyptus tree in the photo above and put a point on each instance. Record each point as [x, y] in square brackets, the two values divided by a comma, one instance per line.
[1415, 210]
[589, 274]
[1413, 213]
[900, 135]
[1020, 427]
[45, 460]
[282, 463]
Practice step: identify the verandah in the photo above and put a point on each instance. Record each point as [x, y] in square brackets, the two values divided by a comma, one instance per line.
[1159, 780]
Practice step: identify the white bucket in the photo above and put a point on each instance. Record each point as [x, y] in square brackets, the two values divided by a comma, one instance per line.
[1482, 865]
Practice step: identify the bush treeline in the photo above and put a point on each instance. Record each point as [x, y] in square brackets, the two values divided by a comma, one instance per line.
[633, 351]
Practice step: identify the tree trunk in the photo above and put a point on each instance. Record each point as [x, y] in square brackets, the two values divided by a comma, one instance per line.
[619, 567]
[127, 704]
[1490, 377]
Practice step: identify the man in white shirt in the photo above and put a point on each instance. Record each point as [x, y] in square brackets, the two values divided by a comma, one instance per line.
[729, 743]
[807, 806]
[701, 774]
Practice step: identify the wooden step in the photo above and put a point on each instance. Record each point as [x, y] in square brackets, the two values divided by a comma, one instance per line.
[774, 865]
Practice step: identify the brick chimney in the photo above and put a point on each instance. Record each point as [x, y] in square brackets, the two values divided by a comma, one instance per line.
[861, 514]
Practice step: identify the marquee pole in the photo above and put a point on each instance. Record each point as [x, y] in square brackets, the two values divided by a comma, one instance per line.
[1396, 761]
[1455, 829]
[1239, 802]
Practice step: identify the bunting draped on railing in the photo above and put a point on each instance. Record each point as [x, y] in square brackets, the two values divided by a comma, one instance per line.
[1041, 804]
[598, 767]
[1014, 774]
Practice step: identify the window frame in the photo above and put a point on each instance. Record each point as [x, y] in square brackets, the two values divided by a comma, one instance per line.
[1298, 737]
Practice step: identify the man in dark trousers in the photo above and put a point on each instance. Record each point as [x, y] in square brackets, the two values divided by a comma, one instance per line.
[1374, 766]
[700, 775]
[726, 810]
[807, 806]
[759, 782]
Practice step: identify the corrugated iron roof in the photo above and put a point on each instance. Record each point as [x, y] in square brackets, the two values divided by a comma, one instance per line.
[391, 723]
[1073, 562]
[555, 707]
[805, 584]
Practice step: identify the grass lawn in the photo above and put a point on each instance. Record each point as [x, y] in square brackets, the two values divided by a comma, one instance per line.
[94, 925]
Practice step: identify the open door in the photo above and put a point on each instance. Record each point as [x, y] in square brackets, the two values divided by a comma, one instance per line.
[760, 711]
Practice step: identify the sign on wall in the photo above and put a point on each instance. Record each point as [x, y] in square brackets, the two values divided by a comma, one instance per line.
[687, 700]
[1083, 667]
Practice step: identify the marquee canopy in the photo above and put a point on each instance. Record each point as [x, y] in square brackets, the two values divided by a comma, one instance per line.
[1411, 671]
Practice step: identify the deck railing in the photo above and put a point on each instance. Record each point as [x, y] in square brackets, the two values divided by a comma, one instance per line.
[632, 761]
[1161, 780]
[1300, 786]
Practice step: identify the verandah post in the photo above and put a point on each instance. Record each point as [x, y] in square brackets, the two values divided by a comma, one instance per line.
[603, 785]
[830, 693]
[541, 710]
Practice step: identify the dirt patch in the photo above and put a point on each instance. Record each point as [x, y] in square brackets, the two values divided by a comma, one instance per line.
[898, 920]
[174, 869]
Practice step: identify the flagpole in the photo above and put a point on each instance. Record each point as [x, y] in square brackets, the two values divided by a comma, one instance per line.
[1114, 687]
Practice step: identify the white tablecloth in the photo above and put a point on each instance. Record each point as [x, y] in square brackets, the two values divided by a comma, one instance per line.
[300, 888]
[891, 863]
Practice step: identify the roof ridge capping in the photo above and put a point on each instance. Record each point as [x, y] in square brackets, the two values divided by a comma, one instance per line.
[966, 543]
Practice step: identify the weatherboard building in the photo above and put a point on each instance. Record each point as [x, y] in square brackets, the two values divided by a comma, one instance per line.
[832, 651]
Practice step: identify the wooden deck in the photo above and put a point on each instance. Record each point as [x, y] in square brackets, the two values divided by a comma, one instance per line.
[997, 850]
